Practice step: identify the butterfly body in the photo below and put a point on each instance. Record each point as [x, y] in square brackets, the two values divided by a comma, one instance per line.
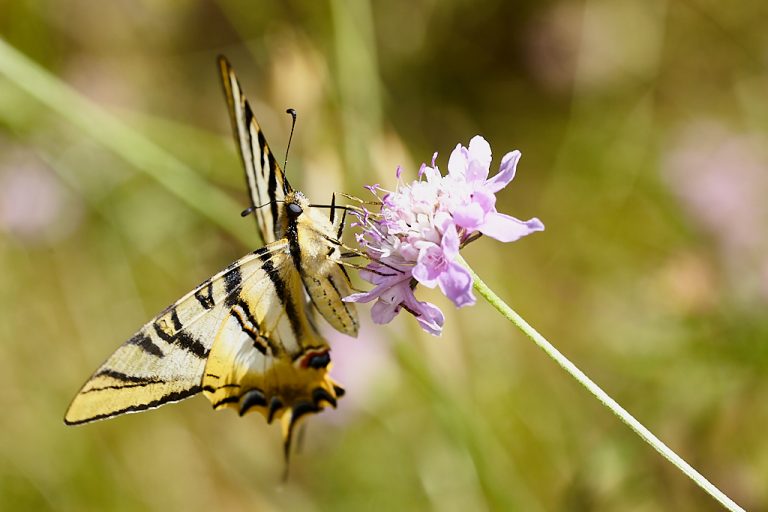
[246, 337]
[316, 254]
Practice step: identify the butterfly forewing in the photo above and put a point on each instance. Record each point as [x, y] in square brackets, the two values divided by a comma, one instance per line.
[266, 182]
[325, 281]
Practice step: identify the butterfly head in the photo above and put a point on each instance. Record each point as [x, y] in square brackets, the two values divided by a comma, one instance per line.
[295, 203]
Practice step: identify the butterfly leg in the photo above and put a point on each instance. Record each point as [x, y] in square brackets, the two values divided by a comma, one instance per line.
[341, 223]
[361, 267]
[361, 201]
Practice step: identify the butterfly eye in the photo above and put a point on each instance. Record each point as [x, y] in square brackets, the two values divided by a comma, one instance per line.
[319, 361]
[295, 209]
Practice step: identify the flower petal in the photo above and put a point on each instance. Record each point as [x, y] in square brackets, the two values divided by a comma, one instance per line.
[450, 243]
[477, 171]
[360, 297]
[425, 275]
[429, 316]
[456, 284]
[480, 150]
[367, 296]
[383, 275]
[457, 163]
[486, 200]
[470, 216]
[433, 321]
[383, 312]
[508, 229]
[431, 173]
[506, 172]
[442, 221]
[428, 265]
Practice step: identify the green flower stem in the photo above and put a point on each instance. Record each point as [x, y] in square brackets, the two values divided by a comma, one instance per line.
[598, 393]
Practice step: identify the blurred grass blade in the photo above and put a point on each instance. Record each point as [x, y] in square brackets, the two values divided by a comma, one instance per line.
[126, 142]
[357, 79]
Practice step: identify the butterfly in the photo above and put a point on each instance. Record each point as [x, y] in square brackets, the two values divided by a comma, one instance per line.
[247, 338]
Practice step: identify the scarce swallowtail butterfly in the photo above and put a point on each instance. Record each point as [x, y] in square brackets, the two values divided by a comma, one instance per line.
[246, 338]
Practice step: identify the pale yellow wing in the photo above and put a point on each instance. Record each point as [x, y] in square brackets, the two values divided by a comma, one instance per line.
[266, 182]
[325, 281]
[165, 360]
[271, 359]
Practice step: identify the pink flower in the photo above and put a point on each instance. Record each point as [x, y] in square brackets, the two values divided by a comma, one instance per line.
[478, 212]
[416, 236]
[436, 265]
[393, 291]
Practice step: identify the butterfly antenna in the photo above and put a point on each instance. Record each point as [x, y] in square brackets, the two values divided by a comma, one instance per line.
[253, 208]
[290, 137]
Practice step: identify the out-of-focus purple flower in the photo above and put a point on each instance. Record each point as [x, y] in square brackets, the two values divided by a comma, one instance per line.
[35, 207]
[719, 176]
[416, 236]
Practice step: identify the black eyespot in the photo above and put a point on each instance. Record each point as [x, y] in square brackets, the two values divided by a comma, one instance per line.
[319, 361]
[295, 208]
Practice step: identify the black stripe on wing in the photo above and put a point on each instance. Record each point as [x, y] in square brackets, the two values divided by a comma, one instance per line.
[146, 344]
[281, 290]
[204, 294]
[176, 335]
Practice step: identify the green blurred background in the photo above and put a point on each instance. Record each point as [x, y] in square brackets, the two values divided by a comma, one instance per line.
[643, 128]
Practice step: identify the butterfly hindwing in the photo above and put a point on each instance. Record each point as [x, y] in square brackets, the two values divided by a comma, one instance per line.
[271, 360]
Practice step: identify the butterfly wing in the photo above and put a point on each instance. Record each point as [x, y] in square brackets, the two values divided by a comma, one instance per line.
[267, 355]
[266, 181]
[242, 337]
[325, 280]
[164, 361]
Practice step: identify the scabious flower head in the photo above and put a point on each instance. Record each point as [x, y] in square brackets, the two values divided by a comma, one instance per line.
[416, 236]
